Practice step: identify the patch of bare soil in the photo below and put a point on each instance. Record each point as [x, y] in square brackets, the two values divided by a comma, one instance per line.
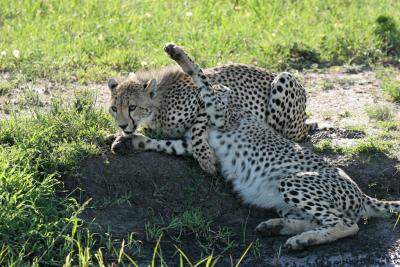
[341, 99]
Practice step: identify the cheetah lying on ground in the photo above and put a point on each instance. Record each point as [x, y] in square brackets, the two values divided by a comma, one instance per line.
[317, 203]
[168, 102]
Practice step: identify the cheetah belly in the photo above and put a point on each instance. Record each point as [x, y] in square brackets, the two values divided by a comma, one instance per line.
[254, 186]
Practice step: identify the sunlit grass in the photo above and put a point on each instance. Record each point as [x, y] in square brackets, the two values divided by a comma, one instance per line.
[370, 145]
[34, 152]
[380, 113]
[91, 40]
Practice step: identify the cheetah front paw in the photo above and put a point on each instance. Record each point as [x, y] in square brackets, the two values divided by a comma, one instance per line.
[122, 145]
[109, 139]
[271, 227]
[298, 242]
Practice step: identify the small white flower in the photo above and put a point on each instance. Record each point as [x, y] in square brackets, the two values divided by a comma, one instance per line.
[148, 15]
[3, 53]
[189, 14]
[143, 63]
[16, 53]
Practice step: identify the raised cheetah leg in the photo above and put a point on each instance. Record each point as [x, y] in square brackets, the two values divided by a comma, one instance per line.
[287, 107]
[214, 104]
[283, 226]
[124, 144]
[330, 231]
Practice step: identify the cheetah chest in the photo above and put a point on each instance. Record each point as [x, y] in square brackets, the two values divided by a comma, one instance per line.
[255, 182]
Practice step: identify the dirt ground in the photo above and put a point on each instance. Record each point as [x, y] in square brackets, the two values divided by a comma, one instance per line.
[161, 186]
[129, 191]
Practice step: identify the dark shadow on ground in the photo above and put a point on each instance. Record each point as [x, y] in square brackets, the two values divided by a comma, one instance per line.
[129, 191]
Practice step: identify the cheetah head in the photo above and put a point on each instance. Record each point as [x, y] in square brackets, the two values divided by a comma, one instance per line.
[132, 103]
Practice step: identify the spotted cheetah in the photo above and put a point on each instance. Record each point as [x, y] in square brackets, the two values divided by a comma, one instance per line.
[168, 102]
[316, 202]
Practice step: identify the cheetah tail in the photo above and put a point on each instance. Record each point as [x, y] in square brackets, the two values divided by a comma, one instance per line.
[312, 127]
[379, 208]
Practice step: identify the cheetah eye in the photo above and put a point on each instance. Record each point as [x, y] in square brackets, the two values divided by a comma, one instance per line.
[132, 108]
[114, 108]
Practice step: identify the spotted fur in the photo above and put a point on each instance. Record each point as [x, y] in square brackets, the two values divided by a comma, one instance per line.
[168, 102]
[317, 203]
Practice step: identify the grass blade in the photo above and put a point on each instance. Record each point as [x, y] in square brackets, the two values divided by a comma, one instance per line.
[243, 255]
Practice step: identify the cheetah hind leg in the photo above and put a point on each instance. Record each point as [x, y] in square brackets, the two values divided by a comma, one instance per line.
[202, 151]
[207, 160]
[312, 127]
[324, 234]
[284, 226]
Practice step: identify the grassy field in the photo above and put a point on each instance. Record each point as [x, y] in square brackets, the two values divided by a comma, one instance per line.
[88, 41]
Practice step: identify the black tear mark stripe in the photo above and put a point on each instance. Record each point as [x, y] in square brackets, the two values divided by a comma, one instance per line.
[133, 121]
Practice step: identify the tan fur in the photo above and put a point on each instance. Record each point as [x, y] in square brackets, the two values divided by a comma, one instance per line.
[176, 110]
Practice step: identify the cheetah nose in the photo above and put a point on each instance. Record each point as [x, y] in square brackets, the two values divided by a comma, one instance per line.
[123, 126]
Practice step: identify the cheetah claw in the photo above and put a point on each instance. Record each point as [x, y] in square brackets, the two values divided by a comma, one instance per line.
[266, 229]
[173, 51]
[109, 139]
[295, 243]
[122, 145]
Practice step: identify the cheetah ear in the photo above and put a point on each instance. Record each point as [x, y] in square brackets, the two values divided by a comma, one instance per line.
[112, 85]
[152, 88]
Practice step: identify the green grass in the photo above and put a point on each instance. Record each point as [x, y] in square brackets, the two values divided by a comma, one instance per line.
[392, 88]
[389, 125]
[195, 225]
[36, 222]
[327, 146]
[356, 129]
[9, 83]
[369, 145]
[5, 87]
[88, 41]
[390, 83]
[327, 85]
[380, 113]
[372, 145]
[192, 221]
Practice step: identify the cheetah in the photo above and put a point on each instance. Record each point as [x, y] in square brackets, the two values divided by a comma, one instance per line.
[168, 103]
[317, 203]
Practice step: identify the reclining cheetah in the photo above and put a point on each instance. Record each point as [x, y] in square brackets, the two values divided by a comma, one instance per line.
[317, 203]
[169, 103]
